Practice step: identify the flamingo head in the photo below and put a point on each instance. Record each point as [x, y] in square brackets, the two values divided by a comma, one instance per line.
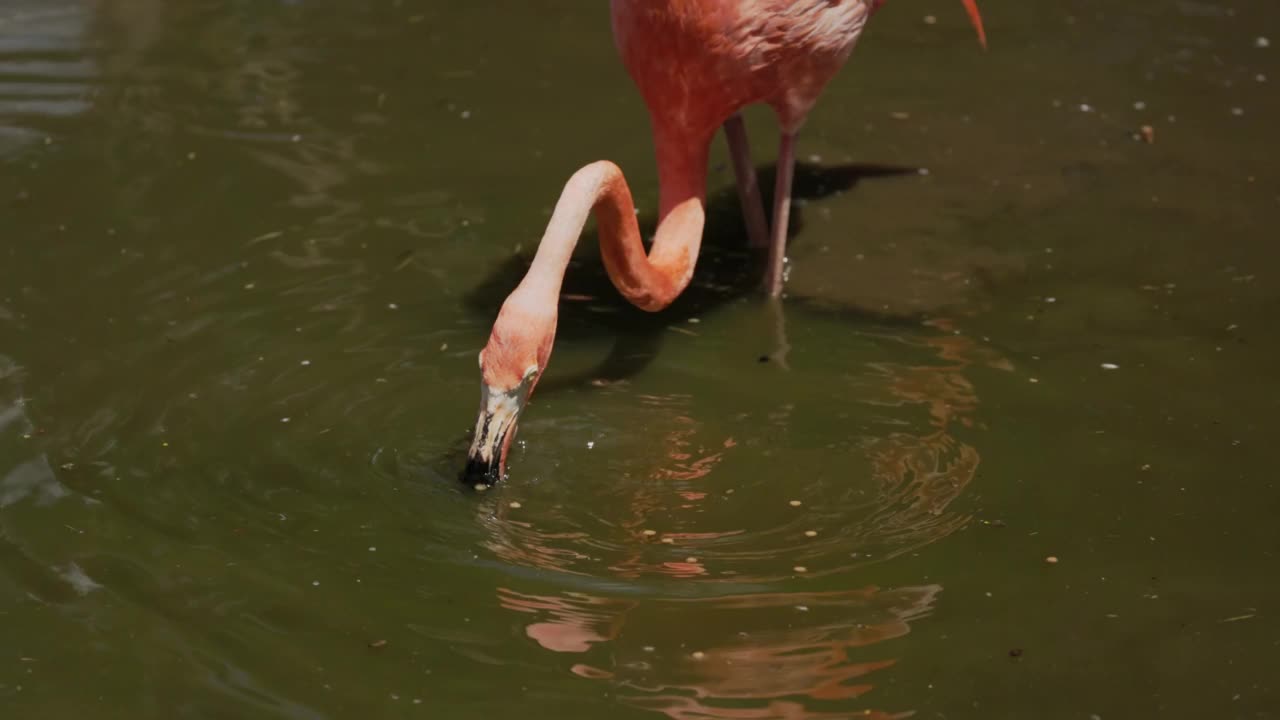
[510, 365]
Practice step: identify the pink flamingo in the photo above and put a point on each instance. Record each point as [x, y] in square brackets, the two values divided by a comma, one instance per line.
[697, 63]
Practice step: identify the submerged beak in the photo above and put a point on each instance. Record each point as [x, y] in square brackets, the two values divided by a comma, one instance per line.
[975, 17]
[496, 425]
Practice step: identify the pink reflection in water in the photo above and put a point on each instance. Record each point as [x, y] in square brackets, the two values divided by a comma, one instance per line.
[758, 656]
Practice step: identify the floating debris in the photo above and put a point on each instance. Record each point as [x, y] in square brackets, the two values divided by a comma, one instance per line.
[795, 503]
[649, 533]
[800, 569]
[1052, 559]
[1238, 618]
[1110, 366]
[378, 644]
[514, 504]
[1147, 134]
[1261, 43]
[698, 655]
[811, 533]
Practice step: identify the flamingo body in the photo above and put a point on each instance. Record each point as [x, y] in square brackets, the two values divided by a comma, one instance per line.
[696, 63]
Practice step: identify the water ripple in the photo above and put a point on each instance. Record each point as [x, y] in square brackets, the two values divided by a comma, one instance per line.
[701, 513]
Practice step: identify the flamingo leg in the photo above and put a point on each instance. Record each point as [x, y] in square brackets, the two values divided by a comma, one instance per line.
[781, 214]
[748, 188]
[781, 346]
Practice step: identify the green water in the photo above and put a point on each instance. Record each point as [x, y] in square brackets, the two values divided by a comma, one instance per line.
[249, 251]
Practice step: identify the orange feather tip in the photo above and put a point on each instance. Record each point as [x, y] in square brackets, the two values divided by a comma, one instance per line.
[975, 17]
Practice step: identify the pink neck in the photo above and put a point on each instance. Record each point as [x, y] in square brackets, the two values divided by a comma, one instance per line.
[650, 282]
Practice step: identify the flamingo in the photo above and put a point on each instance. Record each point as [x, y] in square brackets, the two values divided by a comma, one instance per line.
[697, 64]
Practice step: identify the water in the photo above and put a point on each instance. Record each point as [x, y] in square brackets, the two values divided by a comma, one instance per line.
[252, 249]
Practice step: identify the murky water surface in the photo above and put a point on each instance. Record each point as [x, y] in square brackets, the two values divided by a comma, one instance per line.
[249, 251]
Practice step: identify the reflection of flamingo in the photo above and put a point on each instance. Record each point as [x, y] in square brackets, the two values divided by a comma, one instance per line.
[696, 63]
[748, 665]
[739, 661]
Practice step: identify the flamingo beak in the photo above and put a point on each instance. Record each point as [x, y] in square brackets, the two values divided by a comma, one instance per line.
[495, 427]
[975, 17]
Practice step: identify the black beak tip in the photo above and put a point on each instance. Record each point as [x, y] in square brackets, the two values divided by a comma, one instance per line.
[480, 474]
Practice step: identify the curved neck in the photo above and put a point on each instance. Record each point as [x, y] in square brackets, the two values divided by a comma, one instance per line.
[649, 281]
